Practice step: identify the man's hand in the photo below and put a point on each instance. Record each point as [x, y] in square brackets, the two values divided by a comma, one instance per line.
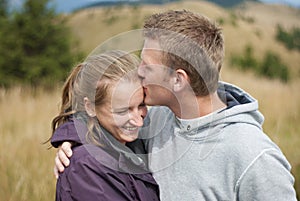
[62, 158]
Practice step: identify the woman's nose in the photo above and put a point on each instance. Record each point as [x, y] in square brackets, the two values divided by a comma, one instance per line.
[137, 118]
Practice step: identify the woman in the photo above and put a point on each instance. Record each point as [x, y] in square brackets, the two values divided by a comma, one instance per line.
[103, 97]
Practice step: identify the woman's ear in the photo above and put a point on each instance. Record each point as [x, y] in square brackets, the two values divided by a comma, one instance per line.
[181, 80]
[89, 107]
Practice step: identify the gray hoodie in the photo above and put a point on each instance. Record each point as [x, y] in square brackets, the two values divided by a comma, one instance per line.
[222, 156]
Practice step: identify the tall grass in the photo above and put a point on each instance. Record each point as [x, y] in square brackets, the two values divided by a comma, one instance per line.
[25, 163]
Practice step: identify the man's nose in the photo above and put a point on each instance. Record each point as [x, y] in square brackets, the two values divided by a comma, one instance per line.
[141, 71]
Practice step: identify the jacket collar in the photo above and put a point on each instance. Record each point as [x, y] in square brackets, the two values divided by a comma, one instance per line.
[124, 158]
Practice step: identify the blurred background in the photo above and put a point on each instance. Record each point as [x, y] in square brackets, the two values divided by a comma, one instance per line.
[41, 40]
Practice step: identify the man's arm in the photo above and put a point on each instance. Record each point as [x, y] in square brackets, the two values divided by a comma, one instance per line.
[62, 160]
[267, 178]
[64, 138]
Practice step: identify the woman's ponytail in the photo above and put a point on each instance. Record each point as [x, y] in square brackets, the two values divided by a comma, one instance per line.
[66, 109]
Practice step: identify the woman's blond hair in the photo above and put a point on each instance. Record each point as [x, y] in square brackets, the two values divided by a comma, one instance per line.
[93, 79]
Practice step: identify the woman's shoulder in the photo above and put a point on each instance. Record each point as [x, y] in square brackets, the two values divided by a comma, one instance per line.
[94, 170]
[87, 178]
[94, 157]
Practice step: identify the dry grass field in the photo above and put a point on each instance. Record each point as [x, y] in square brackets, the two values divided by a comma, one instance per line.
[26, 164]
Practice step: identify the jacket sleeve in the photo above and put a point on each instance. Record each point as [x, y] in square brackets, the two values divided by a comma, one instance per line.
[66, 132]
[89, 180]
[268, 177]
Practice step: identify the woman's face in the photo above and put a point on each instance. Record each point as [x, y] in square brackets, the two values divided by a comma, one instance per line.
[123, 112]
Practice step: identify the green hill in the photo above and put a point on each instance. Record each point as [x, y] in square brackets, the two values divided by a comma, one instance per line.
[249, 23]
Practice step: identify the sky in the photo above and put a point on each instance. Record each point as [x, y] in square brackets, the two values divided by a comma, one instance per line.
[289, 2]
[70, 5]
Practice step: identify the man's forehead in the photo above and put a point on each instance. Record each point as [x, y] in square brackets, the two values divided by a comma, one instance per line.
[151, 50]
[151, 44]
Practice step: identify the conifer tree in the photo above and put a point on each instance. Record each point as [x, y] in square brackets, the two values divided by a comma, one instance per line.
[3, 8]
[36, 46]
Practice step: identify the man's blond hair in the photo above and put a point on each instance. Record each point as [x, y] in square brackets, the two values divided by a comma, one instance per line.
[191, 42]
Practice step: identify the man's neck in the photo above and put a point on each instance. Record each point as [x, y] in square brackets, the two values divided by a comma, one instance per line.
[191, 107]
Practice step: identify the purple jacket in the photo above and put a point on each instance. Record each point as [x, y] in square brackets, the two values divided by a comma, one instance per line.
[112, 172]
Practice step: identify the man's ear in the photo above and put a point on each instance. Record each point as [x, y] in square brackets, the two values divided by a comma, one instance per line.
[89, 107]
[181, 80]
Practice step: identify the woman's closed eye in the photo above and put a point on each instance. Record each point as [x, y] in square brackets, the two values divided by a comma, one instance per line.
[121, 112]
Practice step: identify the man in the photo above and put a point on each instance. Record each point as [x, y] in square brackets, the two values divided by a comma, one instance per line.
[205, 140]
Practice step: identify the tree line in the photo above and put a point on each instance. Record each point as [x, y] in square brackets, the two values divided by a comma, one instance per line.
[35, 45]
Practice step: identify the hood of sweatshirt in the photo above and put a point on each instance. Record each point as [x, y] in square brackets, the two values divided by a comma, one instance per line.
[241, 108]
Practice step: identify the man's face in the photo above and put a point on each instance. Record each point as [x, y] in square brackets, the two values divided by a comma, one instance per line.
[156, 78]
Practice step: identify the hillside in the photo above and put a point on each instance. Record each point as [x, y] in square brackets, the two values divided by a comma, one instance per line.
[250, 23]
